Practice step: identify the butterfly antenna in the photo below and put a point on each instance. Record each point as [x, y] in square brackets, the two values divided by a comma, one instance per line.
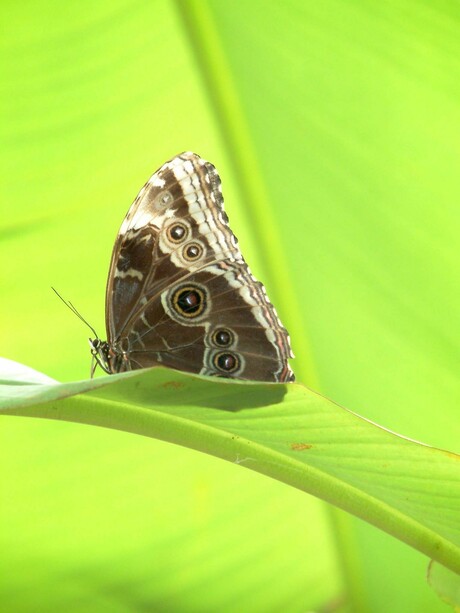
[70, 306]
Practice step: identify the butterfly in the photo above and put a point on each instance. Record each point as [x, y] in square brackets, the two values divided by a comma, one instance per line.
[179, 293]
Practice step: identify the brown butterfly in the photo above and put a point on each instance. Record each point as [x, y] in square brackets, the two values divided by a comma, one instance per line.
[179, 292]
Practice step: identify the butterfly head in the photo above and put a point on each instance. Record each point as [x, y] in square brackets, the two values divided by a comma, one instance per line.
[100, 351]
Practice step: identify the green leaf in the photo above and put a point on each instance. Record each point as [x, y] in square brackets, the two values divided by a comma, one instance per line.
[445, 583]
[284, 431]
[335, 128]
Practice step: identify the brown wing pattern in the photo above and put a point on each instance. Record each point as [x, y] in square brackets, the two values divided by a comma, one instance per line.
[179, 292]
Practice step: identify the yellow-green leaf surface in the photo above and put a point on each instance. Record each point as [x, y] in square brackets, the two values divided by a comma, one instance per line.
[446, 583]
[335, 128]
[284, 431]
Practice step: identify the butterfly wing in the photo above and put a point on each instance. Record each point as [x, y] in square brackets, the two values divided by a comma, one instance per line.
[179, 291]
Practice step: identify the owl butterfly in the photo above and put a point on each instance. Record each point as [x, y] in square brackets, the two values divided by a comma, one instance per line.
[179, 292]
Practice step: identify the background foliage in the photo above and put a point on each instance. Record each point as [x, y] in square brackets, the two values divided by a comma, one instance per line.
[335, 129]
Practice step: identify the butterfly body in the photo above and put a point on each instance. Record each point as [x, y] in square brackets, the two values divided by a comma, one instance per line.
[179, 292]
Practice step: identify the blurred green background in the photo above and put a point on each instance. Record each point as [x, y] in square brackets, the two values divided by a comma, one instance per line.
[335, 128]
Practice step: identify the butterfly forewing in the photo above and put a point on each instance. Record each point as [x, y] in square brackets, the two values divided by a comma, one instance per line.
[179, 292]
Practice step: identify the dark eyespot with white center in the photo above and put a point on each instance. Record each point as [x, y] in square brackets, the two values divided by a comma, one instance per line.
[177, 232]
[222, 337]
[226, 361]
[189, 301]
[192, 252]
